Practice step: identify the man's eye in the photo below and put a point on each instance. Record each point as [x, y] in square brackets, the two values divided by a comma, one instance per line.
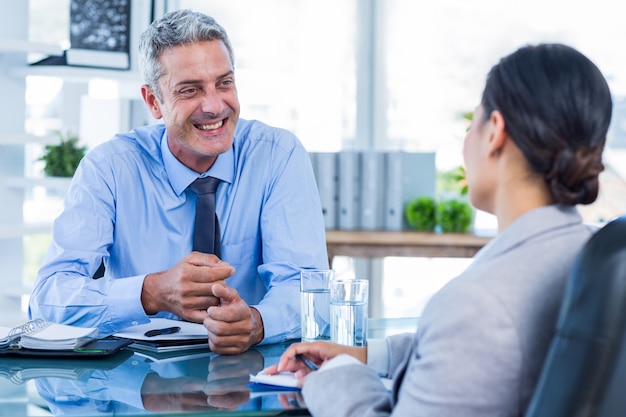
[188, 91]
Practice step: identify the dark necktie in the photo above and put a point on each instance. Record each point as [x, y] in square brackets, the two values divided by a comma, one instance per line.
[206, 234]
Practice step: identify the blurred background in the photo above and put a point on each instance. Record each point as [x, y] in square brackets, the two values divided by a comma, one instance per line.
[341, 74]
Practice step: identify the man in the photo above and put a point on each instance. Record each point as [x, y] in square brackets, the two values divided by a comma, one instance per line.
[129, 208]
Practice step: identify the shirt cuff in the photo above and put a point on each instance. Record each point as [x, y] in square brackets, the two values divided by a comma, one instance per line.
[127, 310]
[378, 356]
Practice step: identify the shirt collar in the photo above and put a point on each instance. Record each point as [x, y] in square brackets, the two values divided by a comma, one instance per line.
[180, 176]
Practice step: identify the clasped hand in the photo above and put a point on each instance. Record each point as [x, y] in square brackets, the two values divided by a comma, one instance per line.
[195, 290]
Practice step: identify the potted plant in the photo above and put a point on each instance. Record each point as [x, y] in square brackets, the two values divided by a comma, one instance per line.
[454, 216]
[62, 159]
[421, 213]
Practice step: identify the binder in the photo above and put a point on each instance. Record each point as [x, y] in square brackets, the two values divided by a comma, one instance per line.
[407, 175]
[349, 187]
[326, 175]
[45, 339]
[372, 190]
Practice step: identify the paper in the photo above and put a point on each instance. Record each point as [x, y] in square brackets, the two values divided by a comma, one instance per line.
[58, 337]
[288, 381]
[187, 331]
[282, 379]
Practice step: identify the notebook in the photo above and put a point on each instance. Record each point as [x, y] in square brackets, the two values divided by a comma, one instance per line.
[40, 334]
[42, 338]
[287, 381]
[284, 381]
[188, 336]
[56, 336]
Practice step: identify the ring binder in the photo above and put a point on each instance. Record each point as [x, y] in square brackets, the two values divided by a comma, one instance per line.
[17, 332]
[43, 336]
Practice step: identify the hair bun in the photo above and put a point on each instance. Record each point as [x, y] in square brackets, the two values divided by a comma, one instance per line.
[574, 175]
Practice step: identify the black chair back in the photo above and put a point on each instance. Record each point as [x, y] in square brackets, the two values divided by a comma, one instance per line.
[584, 373]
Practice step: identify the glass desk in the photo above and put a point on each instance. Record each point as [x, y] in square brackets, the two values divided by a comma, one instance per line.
[132, 383]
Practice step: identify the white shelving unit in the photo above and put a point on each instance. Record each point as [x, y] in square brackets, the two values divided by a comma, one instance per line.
[77, 109]
[24, 46]
[13, 54]
[77, 74]
[13, 181]
[23, 138]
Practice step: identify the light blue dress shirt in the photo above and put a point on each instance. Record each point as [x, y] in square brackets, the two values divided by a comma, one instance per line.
[128, 204]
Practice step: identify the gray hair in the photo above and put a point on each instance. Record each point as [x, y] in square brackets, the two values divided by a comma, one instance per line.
[175, 28]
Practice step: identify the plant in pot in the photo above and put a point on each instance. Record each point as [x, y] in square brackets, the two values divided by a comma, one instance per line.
[421, 213]
[454, 216]
[62, 159]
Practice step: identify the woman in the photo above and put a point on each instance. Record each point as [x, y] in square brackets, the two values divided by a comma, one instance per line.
[533, 152]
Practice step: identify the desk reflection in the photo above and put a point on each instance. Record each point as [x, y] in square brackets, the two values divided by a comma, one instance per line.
[131, 383]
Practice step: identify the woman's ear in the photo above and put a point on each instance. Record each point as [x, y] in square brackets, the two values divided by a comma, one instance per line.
[498, 136]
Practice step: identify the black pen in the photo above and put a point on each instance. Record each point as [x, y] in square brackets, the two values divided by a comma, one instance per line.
[159, 332]
[308, 362]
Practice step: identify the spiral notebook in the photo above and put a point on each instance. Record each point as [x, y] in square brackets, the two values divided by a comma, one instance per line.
[42, 338]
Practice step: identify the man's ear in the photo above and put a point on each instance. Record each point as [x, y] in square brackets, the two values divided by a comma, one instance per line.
[498, 136]
[152, 101]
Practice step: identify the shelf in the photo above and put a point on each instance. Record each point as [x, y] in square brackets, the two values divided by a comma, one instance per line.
[76, 74]
[66, 72]
[21, 46]
[23, 138]
[383, 243]
[12, 231]
[56, 183]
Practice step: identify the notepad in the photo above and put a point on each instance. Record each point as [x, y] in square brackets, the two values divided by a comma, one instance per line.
[282, 380]
[190, 336]
[287, 381]
[58, 337]
[42, 335]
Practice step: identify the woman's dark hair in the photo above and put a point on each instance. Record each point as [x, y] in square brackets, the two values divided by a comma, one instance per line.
[557, 108]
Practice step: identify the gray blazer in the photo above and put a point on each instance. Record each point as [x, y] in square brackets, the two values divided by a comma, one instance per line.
[481, 340]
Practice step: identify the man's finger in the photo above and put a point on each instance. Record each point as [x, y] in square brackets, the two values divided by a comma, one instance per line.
[227, 295]
[228, 313]
[204, 259]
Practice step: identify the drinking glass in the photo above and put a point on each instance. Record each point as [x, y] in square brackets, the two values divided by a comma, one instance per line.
[348, 311]
[315, 304]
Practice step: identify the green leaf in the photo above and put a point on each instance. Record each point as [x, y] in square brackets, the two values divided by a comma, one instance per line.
[454, 216]
[62, 160]
[452, 181]
[421, 213]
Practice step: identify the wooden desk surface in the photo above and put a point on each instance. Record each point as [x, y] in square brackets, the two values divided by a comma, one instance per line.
[403, 243]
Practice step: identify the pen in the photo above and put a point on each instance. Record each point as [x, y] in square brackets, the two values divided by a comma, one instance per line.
[159, 332]
[308, 362]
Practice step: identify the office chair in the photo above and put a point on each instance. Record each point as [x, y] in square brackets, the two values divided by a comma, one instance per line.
[584, 373]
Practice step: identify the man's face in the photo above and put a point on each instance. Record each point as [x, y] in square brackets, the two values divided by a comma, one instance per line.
[199, 103]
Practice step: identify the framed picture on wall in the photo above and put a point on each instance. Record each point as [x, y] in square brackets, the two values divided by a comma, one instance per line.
[100, 33]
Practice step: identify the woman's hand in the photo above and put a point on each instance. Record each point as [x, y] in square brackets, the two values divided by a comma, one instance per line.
[318, 352]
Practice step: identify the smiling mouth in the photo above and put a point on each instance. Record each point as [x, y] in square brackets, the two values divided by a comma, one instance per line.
[213, 126]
